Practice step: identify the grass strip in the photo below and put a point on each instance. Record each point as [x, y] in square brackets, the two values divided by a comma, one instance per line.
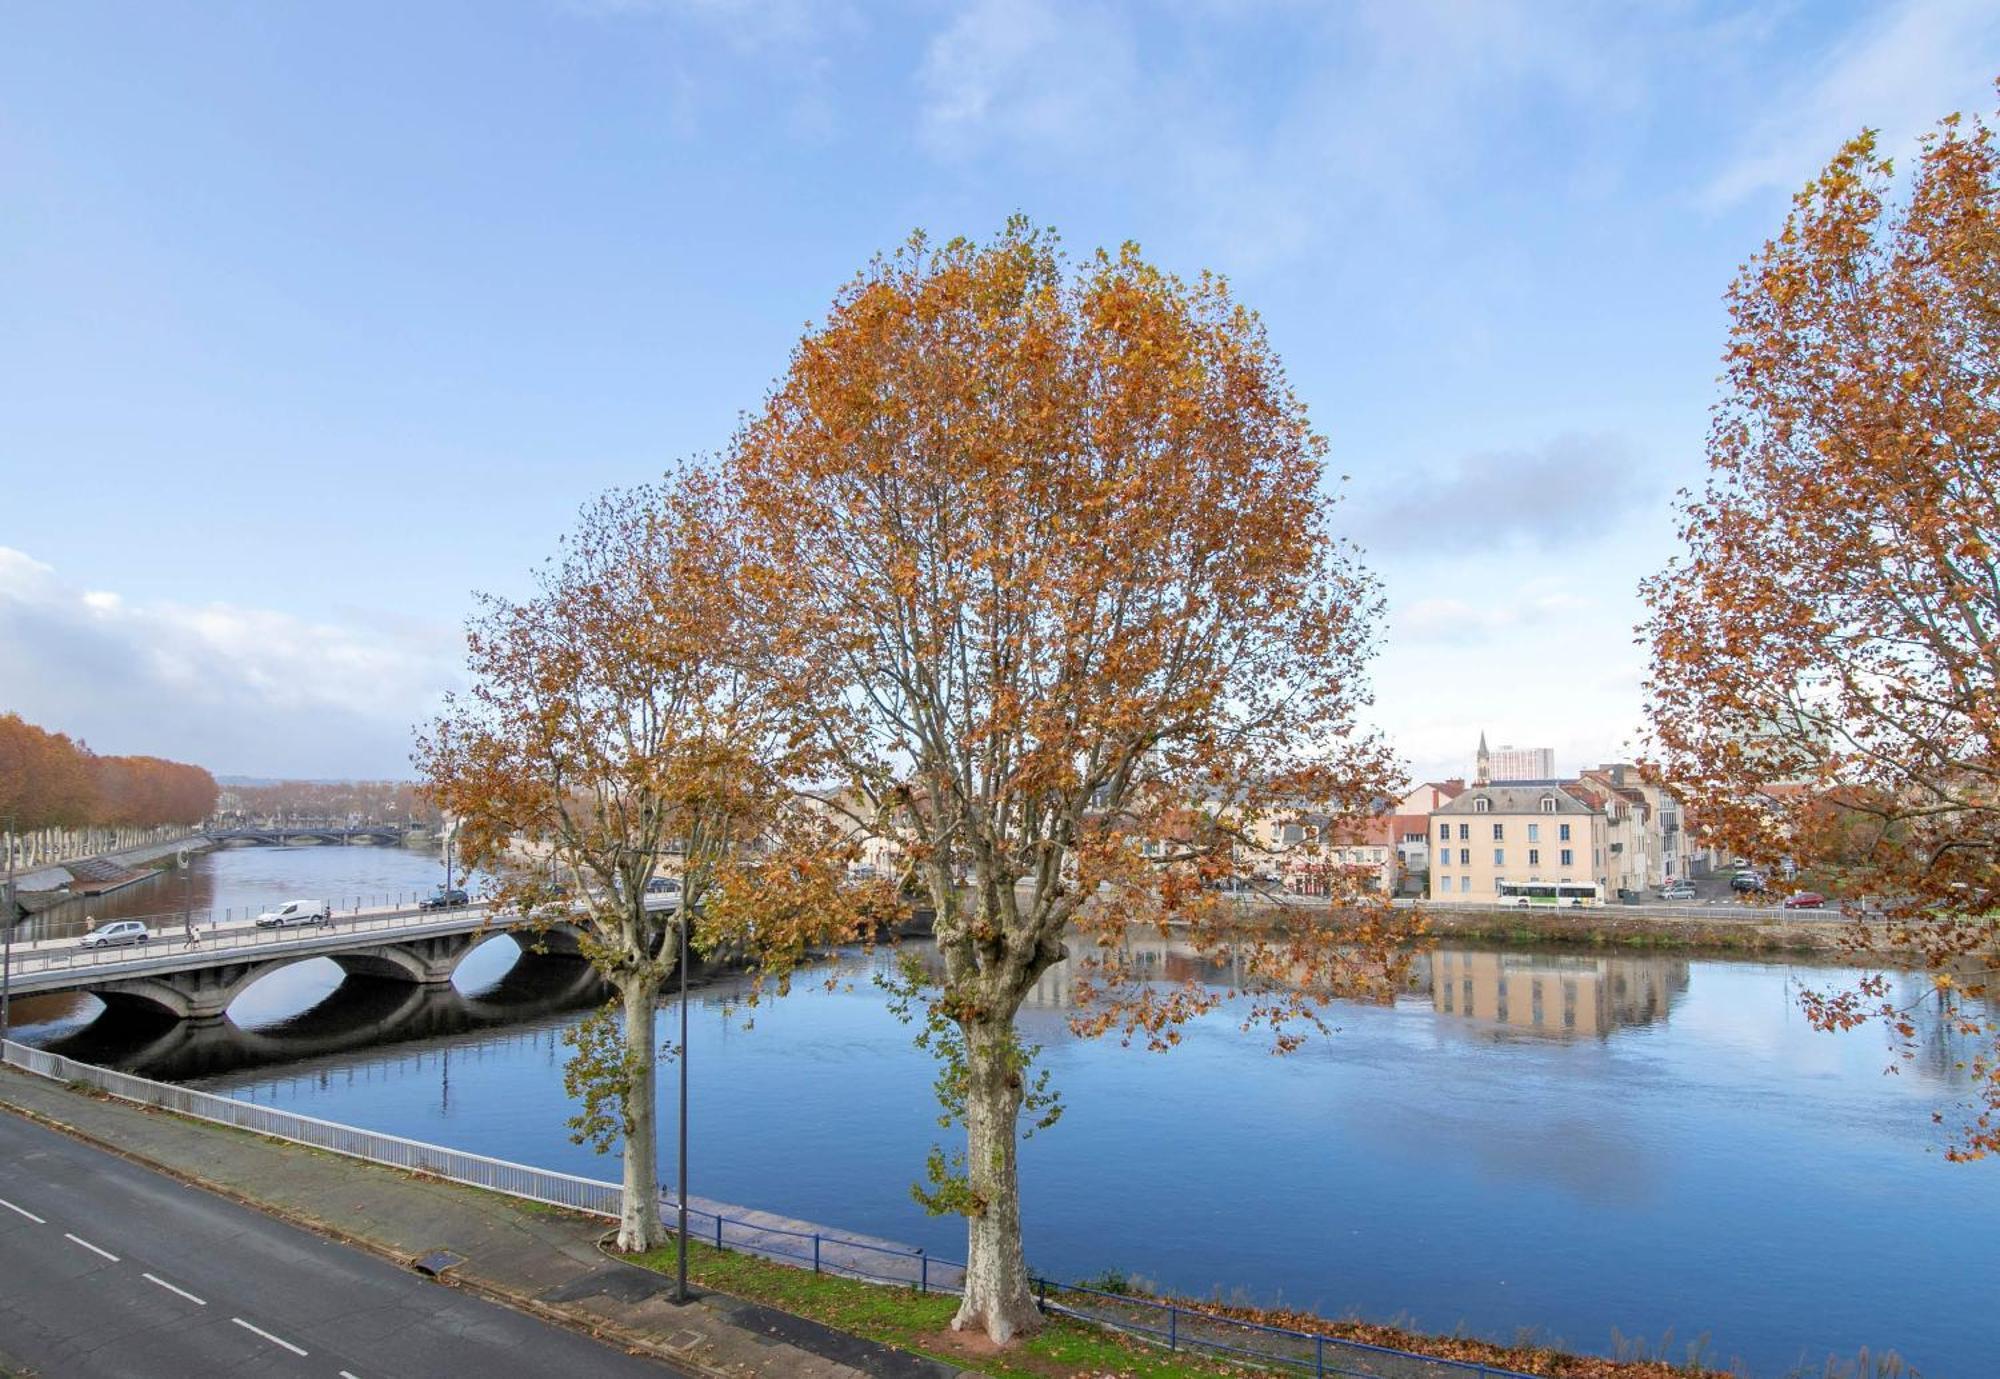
[921, 1322]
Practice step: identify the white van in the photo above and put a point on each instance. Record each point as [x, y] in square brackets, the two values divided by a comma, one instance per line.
[295, 912]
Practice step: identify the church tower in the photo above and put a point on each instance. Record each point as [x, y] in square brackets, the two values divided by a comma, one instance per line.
[1483, 765]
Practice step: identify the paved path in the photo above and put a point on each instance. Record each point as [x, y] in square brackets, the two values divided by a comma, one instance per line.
[542, 1261]
[114, 1269]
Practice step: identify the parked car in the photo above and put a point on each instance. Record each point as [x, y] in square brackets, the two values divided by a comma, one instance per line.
[116, 934]
[1746, 881]
[1805, 900]
[295, 912]
[662, 893]
[443, 899]
[1677, 890]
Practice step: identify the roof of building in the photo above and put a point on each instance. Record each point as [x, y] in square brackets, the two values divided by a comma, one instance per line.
[1515, 799]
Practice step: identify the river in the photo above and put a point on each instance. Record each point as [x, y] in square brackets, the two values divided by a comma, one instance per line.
[1638, 1145]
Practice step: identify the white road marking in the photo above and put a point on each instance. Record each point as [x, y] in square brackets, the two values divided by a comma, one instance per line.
[23, 1211]
[274, 1340]
[92, 1248]
[345, 1375]
[155, 1278]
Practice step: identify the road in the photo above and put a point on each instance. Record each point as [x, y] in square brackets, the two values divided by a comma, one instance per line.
[112, 1269]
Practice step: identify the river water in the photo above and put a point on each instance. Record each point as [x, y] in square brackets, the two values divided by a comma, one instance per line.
[1585, 1147]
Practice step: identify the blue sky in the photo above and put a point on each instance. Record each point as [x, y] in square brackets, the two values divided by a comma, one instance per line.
[315, 318]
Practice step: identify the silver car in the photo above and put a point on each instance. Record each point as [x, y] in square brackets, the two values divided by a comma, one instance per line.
[114, 935]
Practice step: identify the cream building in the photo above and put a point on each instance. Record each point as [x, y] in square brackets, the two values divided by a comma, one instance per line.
[1495, 833]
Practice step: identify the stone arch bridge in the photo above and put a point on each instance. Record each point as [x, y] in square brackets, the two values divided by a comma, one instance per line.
[198, 983]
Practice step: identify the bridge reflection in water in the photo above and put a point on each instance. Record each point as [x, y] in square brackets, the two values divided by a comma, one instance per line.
[360, 1012]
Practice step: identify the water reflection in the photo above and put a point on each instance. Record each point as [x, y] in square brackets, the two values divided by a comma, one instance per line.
[359, 1013]
[1552, 993]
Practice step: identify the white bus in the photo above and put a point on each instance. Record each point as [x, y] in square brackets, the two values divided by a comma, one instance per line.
[1563, 893]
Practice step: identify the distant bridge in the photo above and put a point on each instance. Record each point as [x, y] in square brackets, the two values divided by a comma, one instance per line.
[289, 835]
[168, 976]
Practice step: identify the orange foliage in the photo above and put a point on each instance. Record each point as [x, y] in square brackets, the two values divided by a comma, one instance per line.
[48, 781]
[1826, 659]
[1041, 553]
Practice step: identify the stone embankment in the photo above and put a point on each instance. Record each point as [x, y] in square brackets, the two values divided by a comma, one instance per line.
[1822, 932]
[94, 875]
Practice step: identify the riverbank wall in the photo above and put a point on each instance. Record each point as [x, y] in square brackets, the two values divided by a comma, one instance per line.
[101, 873]
[1827, 934]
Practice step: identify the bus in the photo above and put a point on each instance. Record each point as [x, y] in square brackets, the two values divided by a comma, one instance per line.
[1563, 893]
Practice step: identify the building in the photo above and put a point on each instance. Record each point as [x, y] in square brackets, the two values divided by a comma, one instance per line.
[1410, 830]
[1306, 846]
[1495, 833]
[1648, 842]
[1511, 764]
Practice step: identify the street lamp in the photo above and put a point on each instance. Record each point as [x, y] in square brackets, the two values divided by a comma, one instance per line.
[681, 1194]
[7, 942]
[682, 912]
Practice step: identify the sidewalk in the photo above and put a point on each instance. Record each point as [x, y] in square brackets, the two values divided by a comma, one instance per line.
[540, 1260]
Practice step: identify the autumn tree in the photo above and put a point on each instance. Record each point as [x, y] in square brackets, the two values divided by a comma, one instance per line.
[49, 781]
[609, 738]
[1825, 678]
[1042, 556]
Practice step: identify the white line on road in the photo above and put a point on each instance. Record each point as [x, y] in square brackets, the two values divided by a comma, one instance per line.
[92, 1248]
[23, 1211]
[155, 1278]
[345, 1375]
[274, 1340]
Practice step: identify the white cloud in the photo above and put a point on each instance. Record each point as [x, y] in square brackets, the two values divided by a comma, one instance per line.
[235, 688]
[1908, 65]
[1568, 491]
[1031, 75]
[1371, 109]
[1458, 622]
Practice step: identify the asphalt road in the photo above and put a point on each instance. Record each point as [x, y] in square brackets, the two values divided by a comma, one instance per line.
[107, 1268]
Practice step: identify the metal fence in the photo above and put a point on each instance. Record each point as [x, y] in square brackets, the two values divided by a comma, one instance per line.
[454, 1165]
[1165, 1323]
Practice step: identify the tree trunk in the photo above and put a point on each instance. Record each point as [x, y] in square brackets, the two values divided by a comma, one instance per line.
[639, 1226]
[998, 1298]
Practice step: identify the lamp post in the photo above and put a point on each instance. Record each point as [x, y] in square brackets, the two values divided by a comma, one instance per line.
[7, 943]
[681, 1194]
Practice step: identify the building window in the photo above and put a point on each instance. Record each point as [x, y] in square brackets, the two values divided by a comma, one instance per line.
[1481, 805]
[1534, 833]
[1499, 857]
[1562, 831]
[1465, 857]
[1566, 857]
[1499, 832]
[1444, 885]
[1548, 804]
[1534, 857]
[1464, 832]
[1444, 832]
